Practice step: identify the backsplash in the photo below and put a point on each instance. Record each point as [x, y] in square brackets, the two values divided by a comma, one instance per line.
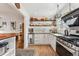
[61, 26]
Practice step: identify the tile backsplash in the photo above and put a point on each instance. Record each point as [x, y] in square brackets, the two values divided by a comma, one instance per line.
[61, 26]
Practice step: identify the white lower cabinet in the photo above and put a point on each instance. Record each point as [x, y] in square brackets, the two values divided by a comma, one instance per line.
[41, 39]
[45, 39]
[53, 41]
[11, 46]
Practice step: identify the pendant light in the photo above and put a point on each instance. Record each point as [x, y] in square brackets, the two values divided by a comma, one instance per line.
[58, 15]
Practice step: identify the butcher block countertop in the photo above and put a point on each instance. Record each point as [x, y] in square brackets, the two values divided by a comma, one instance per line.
[7, 35]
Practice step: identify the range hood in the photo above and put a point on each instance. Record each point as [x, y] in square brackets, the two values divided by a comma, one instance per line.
[72, 18]
[73, 22]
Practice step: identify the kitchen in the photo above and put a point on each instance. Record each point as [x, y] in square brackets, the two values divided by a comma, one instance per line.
[42, 29]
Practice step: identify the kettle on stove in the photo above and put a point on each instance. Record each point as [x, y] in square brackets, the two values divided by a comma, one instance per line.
[66, 32]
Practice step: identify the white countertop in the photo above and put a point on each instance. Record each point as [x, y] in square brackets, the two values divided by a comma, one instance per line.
[56, 34]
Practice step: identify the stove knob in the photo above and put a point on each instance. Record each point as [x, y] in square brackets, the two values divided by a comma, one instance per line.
[71, 45]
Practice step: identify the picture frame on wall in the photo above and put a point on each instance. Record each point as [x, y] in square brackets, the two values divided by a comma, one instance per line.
[13, 25]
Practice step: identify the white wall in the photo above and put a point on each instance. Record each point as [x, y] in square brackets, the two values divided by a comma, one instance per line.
[9, 14]
[8, 19]
[26, 29]
[74, 6]
[26, 26]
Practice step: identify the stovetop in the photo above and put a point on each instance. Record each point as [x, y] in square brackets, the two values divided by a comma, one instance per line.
[70, 39]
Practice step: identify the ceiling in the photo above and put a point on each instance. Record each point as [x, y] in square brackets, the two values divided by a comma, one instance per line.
[33, 9]
[41, 9]
[5, 8]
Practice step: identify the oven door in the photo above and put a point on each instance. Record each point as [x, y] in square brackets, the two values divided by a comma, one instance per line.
[61, 51]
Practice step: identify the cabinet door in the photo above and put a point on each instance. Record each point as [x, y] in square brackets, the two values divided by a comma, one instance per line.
[52, 41]
[37, 38]
[41, 39]
[50, 38]
[46, 39]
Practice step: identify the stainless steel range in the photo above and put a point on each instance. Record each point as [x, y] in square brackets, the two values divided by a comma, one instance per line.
[67, 46]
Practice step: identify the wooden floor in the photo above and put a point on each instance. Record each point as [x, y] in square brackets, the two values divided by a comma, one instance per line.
[43, 50]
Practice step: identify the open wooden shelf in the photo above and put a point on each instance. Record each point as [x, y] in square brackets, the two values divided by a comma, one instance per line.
[42, 20]
[38, 33]
[40, 25]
